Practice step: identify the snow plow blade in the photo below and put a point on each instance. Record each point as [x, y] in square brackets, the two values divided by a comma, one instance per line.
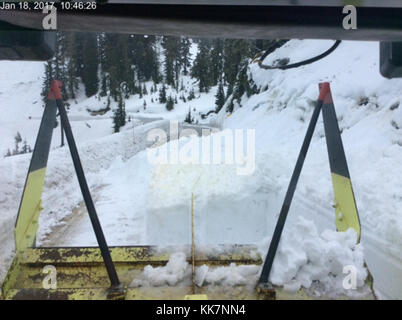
[81, 275]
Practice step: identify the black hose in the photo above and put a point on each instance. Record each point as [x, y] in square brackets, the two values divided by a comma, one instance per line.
[301, 63]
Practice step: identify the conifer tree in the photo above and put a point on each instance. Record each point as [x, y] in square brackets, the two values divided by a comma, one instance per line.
[116, 120]
[140, 90]
[90, 65]
[25, 147]
[103, 91]
[201, 68]
[191, 95]
[171, 64]
[162, 94]
[17, 140]
[220, 97]
[169, 104]
[188, 117]
[119, 114]
[185, 44]
[216, 61]
[48, 76]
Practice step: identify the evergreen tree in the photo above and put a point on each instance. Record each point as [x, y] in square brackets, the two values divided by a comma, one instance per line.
[89, 71]
[169, 104]
[104, 86]
[230, 106]
[162, 94]
[47, 78]
[185, 45]
[72, 83]
[241, 84]
[119, 114]
[116, 120]
[140, 90]
[17, 139]
[216, 61]
[220, 97]
[118, 65]
[25, 147]
[171, 48]
[244, 84]
[201, 68]
[234, 51]
[122, 108]
[188, 117]
[191, 95]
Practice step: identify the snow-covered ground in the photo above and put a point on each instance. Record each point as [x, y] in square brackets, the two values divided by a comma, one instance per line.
[140, 202]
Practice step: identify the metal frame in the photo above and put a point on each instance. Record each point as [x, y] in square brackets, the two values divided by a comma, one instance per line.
[223, 21]
[345, 204]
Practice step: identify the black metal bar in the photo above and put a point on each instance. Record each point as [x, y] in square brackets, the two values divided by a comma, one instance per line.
[269, 260]
[87, 196]
[62, 134]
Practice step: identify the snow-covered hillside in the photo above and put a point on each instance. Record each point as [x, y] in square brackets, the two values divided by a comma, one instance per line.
[140, 202]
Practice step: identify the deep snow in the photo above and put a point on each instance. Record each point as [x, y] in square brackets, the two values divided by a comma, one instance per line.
[143, 203]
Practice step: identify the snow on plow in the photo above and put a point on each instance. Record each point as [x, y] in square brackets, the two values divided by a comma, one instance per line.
[80, 273]
[144, 272]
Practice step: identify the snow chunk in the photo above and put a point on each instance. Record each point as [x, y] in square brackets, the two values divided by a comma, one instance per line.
[174, 272]
[230, 276]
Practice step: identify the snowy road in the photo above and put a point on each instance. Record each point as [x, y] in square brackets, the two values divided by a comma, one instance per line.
[133, 211]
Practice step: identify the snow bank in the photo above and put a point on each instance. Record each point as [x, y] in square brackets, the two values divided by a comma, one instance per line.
[305, 259]
[61, 186]
[228, 208]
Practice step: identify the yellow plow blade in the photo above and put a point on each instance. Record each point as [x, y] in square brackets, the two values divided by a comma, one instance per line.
[81, 274]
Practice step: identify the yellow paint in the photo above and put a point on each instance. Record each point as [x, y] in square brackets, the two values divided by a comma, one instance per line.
[196, 297]
[345, 205]
[27, 223]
